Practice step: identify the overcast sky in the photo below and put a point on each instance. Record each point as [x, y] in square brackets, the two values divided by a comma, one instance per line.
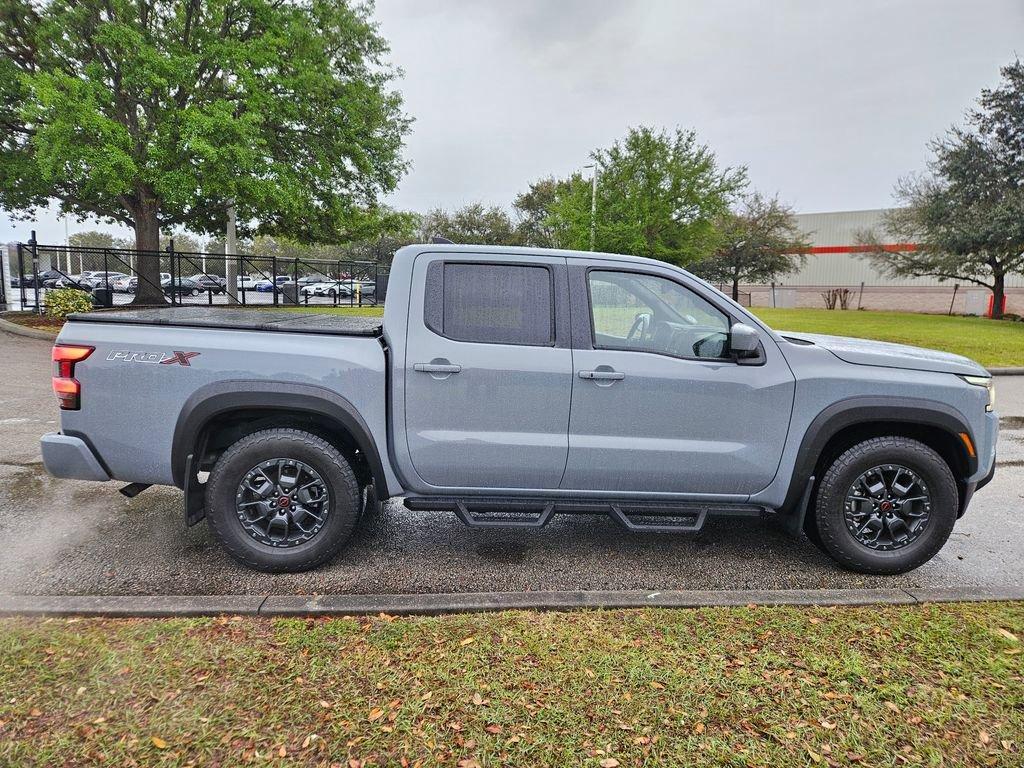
[826, 102]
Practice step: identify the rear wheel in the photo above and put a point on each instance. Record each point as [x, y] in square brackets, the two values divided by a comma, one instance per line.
[886, 506]
[282, 500]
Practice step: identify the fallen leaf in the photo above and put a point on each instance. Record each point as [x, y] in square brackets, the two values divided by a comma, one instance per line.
[984, 738]
[376, 714]
[34, 712]
[99, 720]
[478, 699]
[698, 728]
[493, 729]
[158, 742]
[282, 752]
[1007, 634]
[657, 686]
[609, 762]
[80, 691]
[468, 640]
[325, 704]
[814, 755]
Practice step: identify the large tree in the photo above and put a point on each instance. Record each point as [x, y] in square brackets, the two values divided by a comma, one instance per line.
[757, 241]
[965, 218]
[659, 194]
[159, 114]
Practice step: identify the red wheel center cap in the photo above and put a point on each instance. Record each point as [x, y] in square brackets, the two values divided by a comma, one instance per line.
[283, 502]
[885, 506]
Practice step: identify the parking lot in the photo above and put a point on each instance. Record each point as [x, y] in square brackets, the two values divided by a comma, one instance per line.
[67, 537]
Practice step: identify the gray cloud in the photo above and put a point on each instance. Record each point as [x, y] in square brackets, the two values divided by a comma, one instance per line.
[827, 102]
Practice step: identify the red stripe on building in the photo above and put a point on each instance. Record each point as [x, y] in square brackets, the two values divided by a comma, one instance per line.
[891, 247]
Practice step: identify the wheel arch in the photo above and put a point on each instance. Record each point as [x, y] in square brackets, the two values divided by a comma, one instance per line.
[848, 422]
[241, 407]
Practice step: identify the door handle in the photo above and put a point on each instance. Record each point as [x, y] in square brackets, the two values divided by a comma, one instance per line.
[603, 375]
[436, 368]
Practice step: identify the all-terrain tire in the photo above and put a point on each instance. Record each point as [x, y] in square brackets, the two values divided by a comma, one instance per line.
[343, 509]
[839, 541]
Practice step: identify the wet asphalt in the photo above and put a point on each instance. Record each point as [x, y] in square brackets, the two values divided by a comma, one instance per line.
[69, 537]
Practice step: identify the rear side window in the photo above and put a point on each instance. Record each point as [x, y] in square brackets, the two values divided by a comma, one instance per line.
[491, 303]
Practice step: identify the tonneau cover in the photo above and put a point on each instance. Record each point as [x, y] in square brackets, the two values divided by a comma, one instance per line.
[239, 319]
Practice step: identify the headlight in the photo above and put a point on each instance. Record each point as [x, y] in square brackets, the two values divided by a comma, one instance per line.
[987, 383]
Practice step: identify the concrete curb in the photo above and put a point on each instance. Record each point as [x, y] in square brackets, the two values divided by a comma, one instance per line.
[1006, 371]
[20, 330]
[409, 605]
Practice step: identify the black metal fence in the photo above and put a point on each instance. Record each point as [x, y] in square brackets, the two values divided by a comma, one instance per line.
[111, 277]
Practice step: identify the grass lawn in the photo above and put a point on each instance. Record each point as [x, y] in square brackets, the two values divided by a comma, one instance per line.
[922, 685]
[992, 343]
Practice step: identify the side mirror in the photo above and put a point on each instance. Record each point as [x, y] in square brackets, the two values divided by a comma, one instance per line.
[743, 340]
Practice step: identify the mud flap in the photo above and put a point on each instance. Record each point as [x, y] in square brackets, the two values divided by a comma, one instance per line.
[793, 523]
[195, 492]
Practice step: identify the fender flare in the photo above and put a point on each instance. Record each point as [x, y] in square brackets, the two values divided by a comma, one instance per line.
[221, 397]
[866, 410]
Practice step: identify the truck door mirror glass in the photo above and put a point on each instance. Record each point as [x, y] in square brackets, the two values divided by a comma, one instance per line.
[743, 340]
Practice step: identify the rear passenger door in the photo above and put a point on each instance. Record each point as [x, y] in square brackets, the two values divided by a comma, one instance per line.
[488, 371]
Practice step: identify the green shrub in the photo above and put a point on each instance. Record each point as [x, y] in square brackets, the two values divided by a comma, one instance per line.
[64, 301]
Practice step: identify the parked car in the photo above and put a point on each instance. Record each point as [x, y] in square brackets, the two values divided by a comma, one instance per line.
[266, 286]
[44, 279]
[209, 283]
[104, 279]
[246, 283]
[81, 282]
[311, 279]
[182, 286]
[508, 386]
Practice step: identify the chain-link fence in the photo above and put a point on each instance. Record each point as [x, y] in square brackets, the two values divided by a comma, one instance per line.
[111, 276]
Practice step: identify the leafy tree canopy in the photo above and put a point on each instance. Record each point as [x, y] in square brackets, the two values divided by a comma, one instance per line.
[158, 113]
[966, 216]
[659, 194]
[474, 223]
[757, 242]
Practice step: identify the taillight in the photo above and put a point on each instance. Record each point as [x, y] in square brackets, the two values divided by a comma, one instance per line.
[65, 385]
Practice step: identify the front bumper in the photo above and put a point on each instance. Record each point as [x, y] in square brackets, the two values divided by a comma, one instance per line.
[71, 457]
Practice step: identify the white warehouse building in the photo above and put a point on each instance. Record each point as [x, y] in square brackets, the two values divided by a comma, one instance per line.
[835, 262]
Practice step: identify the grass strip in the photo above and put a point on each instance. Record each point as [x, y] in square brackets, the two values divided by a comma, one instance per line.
[874, 686]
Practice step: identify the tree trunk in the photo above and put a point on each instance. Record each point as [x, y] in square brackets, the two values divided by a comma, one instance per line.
[998, 294]
[736, 289]
[147, 243]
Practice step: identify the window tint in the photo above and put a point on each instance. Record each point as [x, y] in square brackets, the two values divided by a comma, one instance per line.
[653, 314]
[497, 304]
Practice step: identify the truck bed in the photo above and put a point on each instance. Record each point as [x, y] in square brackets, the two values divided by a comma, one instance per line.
[239, 319]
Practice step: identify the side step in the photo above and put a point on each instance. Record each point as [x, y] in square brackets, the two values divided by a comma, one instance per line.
[640, 517]
[503, 517]
[660, 520]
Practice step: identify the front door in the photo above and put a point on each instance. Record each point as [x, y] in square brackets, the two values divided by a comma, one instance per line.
[658, 404]
[488, 371]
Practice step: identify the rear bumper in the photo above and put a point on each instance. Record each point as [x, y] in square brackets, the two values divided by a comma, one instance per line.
[70, 457]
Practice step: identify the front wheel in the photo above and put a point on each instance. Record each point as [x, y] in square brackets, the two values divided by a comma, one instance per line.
[282, 500]
[886, 506]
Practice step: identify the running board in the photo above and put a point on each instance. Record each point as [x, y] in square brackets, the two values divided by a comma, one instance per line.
[637, 516]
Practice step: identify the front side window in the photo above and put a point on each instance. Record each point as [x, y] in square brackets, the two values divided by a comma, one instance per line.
[497, 304]
[652, 314]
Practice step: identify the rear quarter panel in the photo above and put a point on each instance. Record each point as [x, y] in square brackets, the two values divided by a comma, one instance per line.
[130, 408]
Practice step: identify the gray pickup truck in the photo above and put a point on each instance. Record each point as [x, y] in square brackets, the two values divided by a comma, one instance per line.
[507, 385]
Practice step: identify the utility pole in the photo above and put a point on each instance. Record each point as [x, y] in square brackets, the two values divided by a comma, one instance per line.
[593, 203]
[230, 265]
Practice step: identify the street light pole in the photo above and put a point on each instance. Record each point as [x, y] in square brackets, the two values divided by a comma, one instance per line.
[593, 203]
